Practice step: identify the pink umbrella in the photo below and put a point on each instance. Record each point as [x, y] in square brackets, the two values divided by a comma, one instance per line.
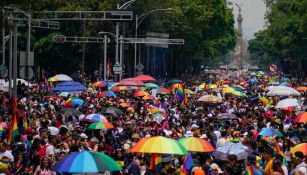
[145, 78]
[131, 82]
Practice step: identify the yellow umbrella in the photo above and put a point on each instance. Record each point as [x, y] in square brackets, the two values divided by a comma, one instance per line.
[228, 90]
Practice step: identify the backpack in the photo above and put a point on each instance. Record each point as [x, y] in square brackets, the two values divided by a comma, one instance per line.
[42, 150]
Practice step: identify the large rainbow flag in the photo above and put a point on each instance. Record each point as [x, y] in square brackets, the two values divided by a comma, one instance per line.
[156, 162]
[13, 130]
[181, 95]
[187, 165]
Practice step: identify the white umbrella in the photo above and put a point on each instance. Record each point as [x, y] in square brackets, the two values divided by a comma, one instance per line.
[238, 149]
[53, 130]
[289, 102]
[282, 91]
[60, 77]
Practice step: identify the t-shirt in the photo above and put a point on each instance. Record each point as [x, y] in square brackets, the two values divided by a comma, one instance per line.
[49, 149]
[7, 154]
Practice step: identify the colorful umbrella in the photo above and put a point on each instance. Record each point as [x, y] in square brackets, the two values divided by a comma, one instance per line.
[125, 105]
[151, 85]
[160, 145]
[148, 97]
[229, 148]
[228, 90]
[288, 104]
[195, 144]
[60, 77]
[106, 94]
[140, 93]
[238, 88]
[300, 147]
[119, 88]
[301, 88]
[70, 86]
[100, 84]
[209, 99]
[86, 162]
[145, 78]
[131, 82]
[269, 132]
[238, 94]
[212, 86]
[101, 125]
[202, 86]
[153, 109]
[189, 91]
[95, 118]
[265, 102]
[173, 81]
[301, 118]
[285, 84]
[163, 90]
[72, 102]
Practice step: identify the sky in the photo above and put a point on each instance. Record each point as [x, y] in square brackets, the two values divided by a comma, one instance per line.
[253, 16]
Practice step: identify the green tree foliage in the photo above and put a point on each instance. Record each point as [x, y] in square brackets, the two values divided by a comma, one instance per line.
[285, 35]
[206, 26]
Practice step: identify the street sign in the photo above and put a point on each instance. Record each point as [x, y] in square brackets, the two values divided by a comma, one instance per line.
[140, 67]
[117, 69]
[273, 68]
[23, 59]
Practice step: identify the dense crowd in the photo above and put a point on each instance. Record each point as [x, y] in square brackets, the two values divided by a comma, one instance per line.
[36, 148]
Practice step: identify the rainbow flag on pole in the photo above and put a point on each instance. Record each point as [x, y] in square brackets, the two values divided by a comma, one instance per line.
[187, 165]
[180, 94]
[24, 122]
[156, 162]
[13, 130]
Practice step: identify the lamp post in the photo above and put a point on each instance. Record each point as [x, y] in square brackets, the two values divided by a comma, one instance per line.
[138, 21]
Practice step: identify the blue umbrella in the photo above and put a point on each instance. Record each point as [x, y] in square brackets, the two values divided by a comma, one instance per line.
[69, 87]
[86, 162]
[268, 132]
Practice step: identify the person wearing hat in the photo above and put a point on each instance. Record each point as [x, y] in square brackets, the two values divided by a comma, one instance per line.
[251, 166]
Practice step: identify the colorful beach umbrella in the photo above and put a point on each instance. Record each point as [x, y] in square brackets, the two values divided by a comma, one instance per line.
[238, 94]
[60, 77]
[238, 88]
[101, 125]
[100, 84]
[212, 86]
[159, 145]
[228, 90]
[140, 93]
[73, 102]
[202, 86]
[86, 162]
[300, 147]
[173, 81]
[95, 118]
[106, 94]
[145, 78]
[195, 144]
[265, 102]
[151, 85]
[301, 118]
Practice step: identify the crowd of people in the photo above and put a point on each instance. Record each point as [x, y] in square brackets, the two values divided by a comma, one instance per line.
[36, 148]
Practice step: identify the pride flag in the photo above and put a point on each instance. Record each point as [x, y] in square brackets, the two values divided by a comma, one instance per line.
[24, 122]
[187, 165]
[13, 130]
[180, 94]
[46, 84]
[1, 129]
[156, 162]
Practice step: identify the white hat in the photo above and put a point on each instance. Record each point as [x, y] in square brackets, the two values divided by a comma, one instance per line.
[210, 115]
[195, 126]
[188, 134]
[203, 136]
[84, 136]
[245, 134]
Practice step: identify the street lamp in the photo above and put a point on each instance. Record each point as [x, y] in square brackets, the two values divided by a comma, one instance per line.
[138, 21]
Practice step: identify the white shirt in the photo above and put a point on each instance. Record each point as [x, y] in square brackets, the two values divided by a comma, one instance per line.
[50, 150]
[7, 154]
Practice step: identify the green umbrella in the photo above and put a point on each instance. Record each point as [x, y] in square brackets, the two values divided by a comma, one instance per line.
[151, 85]
[101, 125]
[172, 81]
[278, 133]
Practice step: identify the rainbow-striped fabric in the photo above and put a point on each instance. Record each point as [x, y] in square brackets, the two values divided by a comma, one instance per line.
[156, 162]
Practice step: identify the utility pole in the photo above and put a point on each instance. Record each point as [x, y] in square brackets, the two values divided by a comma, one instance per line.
[10, 56]
[15, 62]
[105, 58]
[3, 40]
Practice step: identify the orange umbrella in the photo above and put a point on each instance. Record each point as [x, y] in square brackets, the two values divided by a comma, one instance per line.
[125, 105]
[300, 147]
[301, 88]
[140, 93]
[301, 118]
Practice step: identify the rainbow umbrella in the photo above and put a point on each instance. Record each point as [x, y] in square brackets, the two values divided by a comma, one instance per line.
[95, 118]
[263, 100]
[195, 144]
[86, 162]
[212, 86]
[101, 125]
[288, 103]
[202, 86]
[119, 88]
[106, 94]
[125, 105]
[301, 88]
[72, 102]
[140, 93]
[301, 118]
[189, 91]
[228, 90]
[300, 147]
[153, 109]
[238, 88]
[148, 97]
[100, 84]
[60, 77]
[159, 145]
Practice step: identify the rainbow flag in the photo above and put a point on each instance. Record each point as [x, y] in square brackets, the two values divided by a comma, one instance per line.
[46, 84]
[187, 165]
[1, 129]
[24, 122]
[180, 94]
[13, 130]
[156, 162]
[249, 171]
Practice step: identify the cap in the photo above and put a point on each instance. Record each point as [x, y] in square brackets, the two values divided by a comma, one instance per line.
[251, 158]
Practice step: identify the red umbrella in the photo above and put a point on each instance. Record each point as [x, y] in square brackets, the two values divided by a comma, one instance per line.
[145, 78]
[130, 82]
